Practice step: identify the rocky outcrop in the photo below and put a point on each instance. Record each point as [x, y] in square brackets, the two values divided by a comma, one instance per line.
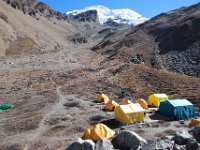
[177, 33]
[87, 16]
[32, 8]
[111, 23]
[78, 38]
[169, 41]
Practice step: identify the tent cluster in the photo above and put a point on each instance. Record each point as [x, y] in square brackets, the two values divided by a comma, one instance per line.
[178, 109]
[129, 112]
[126, 112]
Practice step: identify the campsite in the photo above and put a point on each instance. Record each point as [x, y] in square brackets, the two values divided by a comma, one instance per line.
[161, 120]
[69, 79]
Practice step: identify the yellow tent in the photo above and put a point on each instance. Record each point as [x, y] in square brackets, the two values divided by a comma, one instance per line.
[98, 132]
[102, 98]
[111, 105]
[142, 103]
[126, 102]
[155, 99]
[194, 122]
[128, 114]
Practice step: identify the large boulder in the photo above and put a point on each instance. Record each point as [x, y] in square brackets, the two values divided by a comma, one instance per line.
[128, 140]
[104, 145]
[196, 133]
[181, 137]
[192, 145]
[158, 145]
[82, 145]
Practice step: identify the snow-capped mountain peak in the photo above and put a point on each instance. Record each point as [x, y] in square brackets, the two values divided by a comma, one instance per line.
[126, 16]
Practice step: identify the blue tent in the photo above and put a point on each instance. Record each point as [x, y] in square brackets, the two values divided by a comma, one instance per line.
[179, 109]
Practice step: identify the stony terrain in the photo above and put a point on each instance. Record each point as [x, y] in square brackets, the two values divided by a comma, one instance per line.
[169, 41]
[53, 90]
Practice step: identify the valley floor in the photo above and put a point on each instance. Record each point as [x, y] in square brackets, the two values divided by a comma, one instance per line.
[53, 96]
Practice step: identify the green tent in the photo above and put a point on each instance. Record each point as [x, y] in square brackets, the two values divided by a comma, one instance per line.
[179, 109]
[5, 106]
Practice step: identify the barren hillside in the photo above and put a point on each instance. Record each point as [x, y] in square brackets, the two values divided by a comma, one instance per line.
[22, 33]
[169, 41]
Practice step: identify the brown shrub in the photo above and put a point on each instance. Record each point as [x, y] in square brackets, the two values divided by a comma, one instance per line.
[71, 104]
[96, 118]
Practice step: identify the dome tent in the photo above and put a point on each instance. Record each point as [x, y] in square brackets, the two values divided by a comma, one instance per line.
[111, 105]
[102, 98]
[142, 102]
[126, 102]
[98, 132]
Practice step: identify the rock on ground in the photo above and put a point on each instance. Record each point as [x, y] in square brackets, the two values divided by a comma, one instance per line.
[192, 145]
[82, 145]
[196, 133]
[104, 145]
[178, 147]
[158, 145]
[128, 140]
[181, 137]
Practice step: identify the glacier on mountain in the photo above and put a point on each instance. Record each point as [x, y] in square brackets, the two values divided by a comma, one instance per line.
[125, 16]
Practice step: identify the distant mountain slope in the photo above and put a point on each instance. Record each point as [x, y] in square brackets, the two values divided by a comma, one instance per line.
[33, 27]
[22, 33]
[169, 41]
[121, 16]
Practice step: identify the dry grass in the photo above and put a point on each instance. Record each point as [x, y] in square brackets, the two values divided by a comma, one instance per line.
[12, 147]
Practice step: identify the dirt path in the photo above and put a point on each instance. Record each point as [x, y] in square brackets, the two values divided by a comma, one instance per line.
[42, 127]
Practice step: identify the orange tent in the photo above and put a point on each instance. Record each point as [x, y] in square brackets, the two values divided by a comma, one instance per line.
[126, 102]
[98, 132]
[111, 105]
[102, 98]
[142, 102]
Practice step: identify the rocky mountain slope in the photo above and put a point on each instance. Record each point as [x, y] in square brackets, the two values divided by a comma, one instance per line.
[169, 41]
[119, 16]
[33, 27]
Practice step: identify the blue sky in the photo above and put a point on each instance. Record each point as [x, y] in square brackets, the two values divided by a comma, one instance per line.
[147, 8]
